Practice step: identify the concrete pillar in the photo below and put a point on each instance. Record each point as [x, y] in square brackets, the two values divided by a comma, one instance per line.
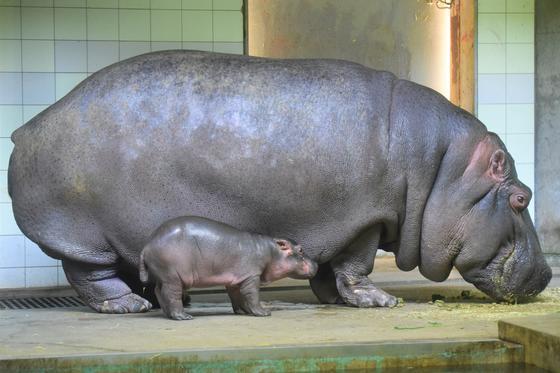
[547, 126]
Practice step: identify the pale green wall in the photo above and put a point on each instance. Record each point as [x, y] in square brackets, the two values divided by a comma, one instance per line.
[47, 47]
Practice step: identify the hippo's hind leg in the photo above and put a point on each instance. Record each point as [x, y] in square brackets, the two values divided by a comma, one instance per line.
[100, 287]
[169, 293]
[351, 269]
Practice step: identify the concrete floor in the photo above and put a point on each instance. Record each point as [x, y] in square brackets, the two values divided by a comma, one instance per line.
[297, 319]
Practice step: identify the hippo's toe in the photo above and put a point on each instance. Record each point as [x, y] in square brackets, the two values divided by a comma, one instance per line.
[129, 303]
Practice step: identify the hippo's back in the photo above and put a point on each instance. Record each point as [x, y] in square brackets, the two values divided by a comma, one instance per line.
[272, 146]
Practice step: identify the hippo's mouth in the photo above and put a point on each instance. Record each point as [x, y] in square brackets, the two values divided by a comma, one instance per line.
[493, 278]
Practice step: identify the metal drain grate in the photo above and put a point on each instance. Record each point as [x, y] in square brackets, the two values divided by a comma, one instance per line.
[40, 302]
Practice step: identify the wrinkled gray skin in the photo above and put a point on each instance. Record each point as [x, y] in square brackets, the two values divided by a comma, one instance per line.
[194, 252]
[341, 158]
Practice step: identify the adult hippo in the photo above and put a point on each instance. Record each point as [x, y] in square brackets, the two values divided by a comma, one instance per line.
[339, 157]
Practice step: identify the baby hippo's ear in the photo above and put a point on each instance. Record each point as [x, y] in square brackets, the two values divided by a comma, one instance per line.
[283, 244]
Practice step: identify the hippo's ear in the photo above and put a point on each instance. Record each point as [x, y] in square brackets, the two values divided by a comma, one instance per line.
[498, 168]
[283, 244]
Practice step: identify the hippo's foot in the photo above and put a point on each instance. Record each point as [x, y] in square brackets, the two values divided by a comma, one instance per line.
[360, 292]
[100, 288]
[180, 316]
[324, 285]
[129, 303]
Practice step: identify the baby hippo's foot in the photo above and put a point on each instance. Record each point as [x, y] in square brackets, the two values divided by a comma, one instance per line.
[129, 303]
[180, 316]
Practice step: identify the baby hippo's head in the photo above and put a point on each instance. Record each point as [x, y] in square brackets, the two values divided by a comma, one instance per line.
[292, 262]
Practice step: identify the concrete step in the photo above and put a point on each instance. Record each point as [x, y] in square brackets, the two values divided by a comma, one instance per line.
[463, 355]
[539, 335]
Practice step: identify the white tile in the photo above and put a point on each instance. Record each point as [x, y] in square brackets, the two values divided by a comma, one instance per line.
[491, 28]
[12, 252]
[521, 147]
[41, 277]
[35, 257]
[65, 82]
[6, 147]
[4, 196]
[493, 116]
[520, 118]
[12, 278]
[520, 88]
[526, 174]
[62, 281]
[8, 224]
[10, 119]
[29, 111]
[491, 88]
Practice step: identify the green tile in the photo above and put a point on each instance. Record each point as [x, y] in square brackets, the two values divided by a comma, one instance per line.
[520, 28]
[166, 4]
[38, 55]
[10, 119]
[491, 58]
[134, 25]
[520, 118]
[197, 25]
[493, 116]
[66, 81]
[10, 55]
[102, 24]
[228, 26]
[10, 2]
[29, 111]
[198, 46]
[6, 147]
[520, 58]
[197, 4]
[491, 6]
[70, 24]
[166, 25]
[229, 47]
[37, 23]
[10, 26]
[227, 4]
[47, 3]
[134, 4]
[491, 28]
[520, 6]
[102, 3]
[70, 3]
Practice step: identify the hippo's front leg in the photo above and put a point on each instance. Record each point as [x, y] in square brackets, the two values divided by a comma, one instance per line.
[247, 298]
[351, 269]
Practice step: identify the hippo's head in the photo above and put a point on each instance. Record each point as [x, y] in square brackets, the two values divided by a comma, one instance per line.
[289, 261]
[477, 221]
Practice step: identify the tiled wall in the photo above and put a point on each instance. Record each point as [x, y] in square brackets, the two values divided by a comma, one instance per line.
[505, 92]
[47, 47]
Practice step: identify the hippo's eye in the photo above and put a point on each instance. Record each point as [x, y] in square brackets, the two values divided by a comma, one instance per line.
[518, 202]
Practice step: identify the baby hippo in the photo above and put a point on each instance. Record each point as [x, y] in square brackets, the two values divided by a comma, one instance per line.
[193, 252]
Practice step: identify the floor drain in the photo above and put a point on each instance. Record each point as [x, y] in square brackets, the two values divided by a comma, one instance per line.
[40, 302]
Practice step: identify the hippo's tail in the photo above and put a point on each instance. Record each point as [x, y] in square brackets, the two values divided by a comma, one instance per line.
[143, 270]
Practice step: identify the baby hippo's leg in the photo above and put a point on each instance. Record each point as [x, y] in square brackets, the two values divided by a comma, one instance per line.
[245, 298]
[170, 298]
